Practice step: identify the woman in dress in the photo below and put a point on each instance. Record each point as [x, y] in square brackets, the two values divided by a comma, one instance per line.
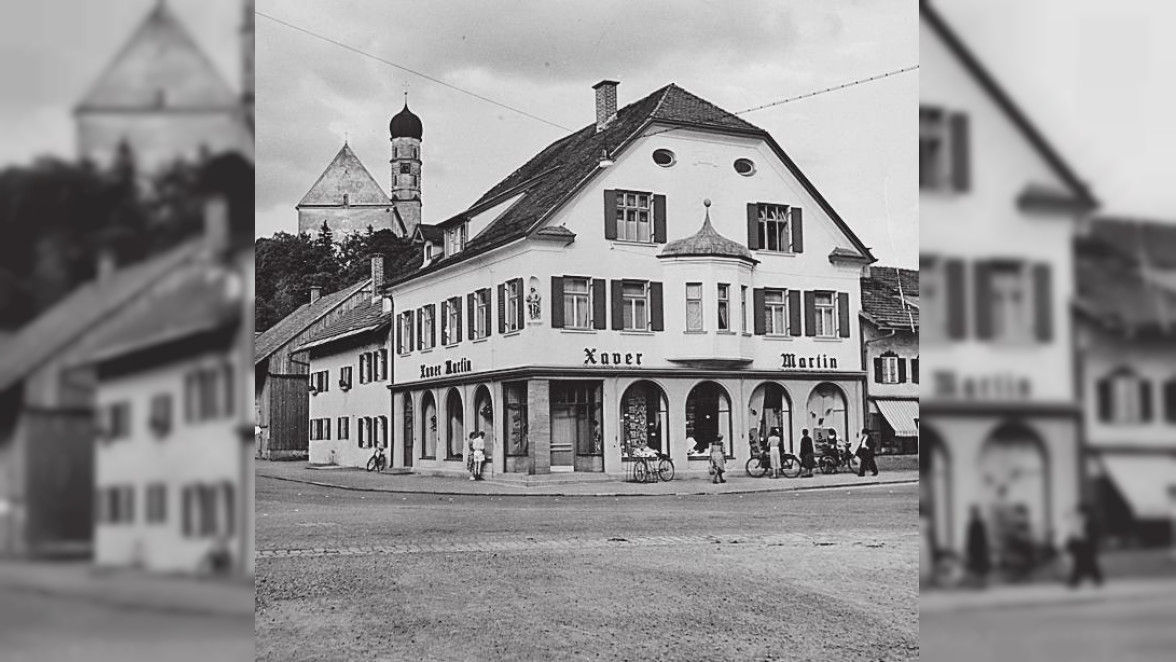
[718, 459]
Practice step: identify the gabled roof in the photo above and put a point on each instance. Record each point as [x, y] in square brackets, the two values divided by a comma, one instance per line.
[345, 175]
[275, 337]
[1019, 119]
[888, 297]
[160, 62]
[83, 310]
[1118, 285]
[429, 233]
[564, 167]
[367, 316]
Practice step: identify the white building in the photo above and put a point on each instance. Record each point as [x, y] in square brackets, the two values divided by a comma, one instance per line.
[662, 276]
[890, 345]
[998, 211]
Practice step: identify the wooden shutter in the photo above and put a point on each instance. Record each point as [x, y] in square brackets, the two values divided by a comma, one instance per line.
[445, 339]
[1104, 400]
[794, 318]
[420, 336]
[753, 226]
[843, 314]
[618, 304]
[810, 313]
[599, 303]
[1170, 401]
[400, 333]
[502, 308]
[520, 308]
[1042, 303]
[960, 158]
[902, 371]
[470, 316]
[657, 314]
[797, 230]
[610, 214]
[983, 277]
[383, 364]
[489, 315]
[1145, 400]
[659, 219]
[759, 311]
[455, 334]
[557, 304]
[433, 331]
[956, 299]
[410, 314]
[877, 369]
[915, 370]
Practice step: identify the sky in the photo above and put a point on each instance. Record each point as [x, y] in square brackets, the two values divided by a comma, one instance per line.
[52, 51]
[857, 145]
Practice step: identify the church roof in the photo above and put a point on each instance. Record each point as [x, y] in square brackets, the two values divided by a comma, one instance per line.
[160, 67]
[707, 242]
[346, 175]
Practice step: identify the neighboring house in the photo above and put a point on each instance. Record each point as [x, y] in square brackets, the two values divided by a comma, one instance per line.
[173, 462]
[349, 368]
[1000, 418]
[1126, 330]
[281, 378]
[890, 345]
[660, 277]
[163, 97]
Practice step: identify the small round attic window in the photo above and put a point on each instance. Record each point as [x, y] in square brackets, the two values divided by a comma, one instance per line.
[664, 157]
[745, 167]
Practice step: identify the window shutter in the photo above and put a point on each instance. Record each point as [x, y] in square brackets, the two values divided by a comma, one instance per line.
[797, 230]
[877, 369]
[983, 273]
[1104, 400]
[410, 330]
[657, 315]
[400, 333]
[456, 303]
[1145, 400]
[599, 303]
[794, 320]
[810, 313]
[659, 219]
[915, 370]
[433, 331]
[470, 316]
[960, 176]
[843, 314]
[502, 307]
[519, 309]
[1170, 401]
[445, 339]
[489, 315]
[383, 364]
[419, 335]
[752, 226]
[953, 272]
[759, 311]
[610, 214]
[902, 371]
[557, 303]
[1042, 303]
[618, 304]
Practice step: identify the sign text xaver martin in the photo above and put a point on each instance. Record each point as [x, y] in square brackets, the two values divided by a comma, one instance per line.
[447, 368]
[792, 362]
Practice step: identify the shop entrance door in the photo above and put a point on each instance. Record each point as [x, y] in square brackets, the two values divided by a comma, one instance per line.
[563, 434]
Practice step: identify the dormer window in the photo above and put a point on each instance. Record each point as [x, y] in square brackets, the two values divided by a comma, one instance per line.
[455, 239]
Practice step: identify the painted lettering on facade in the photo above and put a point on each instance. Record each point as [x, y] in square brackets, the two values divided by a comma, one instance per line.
[593, 356]
[447, 368]
[1004, 386]
[820, 361]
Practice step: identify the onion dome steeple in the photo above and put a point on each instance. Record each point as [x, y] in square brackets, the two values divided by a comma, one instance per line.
[405, 124]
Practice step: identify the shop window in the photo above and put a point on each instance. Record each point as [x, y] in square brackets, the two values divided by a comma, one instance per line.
[694, 307]
[644, 420]
[575, 418]
[429, 426]
[827, 416]
[514, 420]
[724, 306]
[454, 426]
[708, 415]
[771, 408]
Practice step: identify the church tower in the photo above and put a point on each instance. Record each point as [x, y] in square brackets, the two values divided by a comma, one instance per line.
[406, 131]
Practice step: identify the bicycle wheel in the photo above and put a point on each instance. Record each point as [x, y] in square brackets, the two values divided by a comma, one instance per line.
[371, 465]
[755, 468]
[854, 463]
[790, 465]
[828, 464]
[665, 469]
[640, 471]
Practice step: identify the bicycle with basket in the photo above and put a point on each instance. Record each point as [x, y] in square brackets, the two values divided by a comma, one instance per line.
[650, 466]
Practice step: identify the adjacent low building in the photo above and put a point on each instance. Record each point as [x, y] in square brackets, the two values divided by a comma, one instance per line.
[890, 345]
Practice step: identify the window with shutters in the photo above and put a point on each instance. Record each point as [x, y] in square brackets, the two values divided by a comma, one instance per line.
[577, 303]
[1128, 393]
[776, 312]
[514, 304]
[344, 427]
[455, 239]
[451, 329]
[825, 309]
[118, 421]
[775, 228]
[404, 337]
[724, 307]
[636, 300]
[694, 307]
[1012, 319]
[161, 414]
[943, 150]
[481, 313]
[425, 316]
[634, 216]
[932, 302]
[889, 369]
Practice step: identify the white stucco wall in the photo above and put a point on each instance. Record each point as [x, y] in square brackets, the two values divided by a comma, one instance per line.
[370, 399]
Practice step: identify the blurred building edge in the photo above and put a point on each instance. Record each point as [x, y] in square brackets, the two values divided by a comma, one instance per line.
[162, 97]
[890, 350]
[1126, 328]
[998, 212]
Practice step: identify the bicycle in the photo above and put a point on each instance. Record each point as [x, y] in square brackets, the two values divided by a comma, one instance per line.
[833, 459]
[653, 469]
[760, 464]
[377, 462]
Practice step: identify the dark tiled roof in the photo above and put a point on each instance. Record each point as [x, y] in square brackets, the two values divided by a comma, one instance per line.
[1156, 242]
[84, 309]
[367, 315]
[707, 242]
[296, 322]
[431, 233]
[883, 295]
[551, 177]
[1116, 288]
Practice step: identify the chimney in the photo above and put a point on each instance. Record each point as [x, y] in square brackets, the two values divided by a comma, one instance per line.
[606, 103]
[316, 291]
[377, 277]
[216, 224]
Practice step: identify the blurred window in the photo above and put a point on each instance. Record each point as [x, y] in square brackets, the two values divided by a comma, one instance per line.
[157, 503]
[933, 303]
[1011, 317]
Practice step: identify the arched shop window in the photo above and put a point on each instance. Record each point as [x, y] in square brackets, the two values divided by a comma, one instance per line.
[514, 415]
[826, 414]
[708, 414]
[1014, 479]
[429, 425]
[454, 425]
[644, 419]
[770, 407]
[409, 430]
[484, 416]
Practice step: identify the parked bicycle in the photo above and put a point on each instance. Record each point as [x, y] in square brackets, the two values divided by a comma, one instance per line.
[760, 463]
[835, 458]
[653, 469]
[378, 461]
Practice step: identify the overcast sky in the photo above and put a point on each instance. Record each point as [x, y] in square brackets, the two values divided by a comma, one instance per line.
[52, 51]
[858, 146]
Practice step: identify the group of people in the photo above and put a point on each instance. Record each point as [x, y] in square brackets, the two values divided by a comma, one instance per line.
[475, 453]
[1081, 544]
[865, 452]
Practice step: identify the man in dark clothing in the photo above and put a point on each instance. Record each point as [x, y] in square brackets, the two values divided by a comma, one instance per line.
[978, 559]
[865, 453]
[1083, 546]
[806, 453]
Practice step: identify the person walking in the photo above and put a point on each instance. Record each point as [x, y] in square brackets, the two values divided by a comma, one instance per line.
[774, 442]
[469, 454]
[807, 455]
[978, 561]
[718, 459]
[1083, 546]
[478, 446]
[865, 453]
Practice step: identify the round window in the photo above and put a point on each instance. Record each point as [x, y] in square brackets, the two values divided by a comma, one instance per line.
[745, 167]
[663, 157]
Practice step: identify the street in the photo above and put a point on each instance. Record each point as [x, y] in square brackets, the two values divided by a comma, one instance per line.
[36, 628]
[818, 575]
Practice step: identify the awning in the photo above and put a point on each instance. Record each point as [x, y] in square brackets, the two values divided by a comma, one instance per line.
[901, 414]
[1145, 481]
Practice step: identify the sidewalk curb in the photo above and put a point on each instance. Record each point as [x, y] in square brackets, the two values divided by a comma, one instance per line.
[1065, 600]
[802, 488]
[123, 602]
